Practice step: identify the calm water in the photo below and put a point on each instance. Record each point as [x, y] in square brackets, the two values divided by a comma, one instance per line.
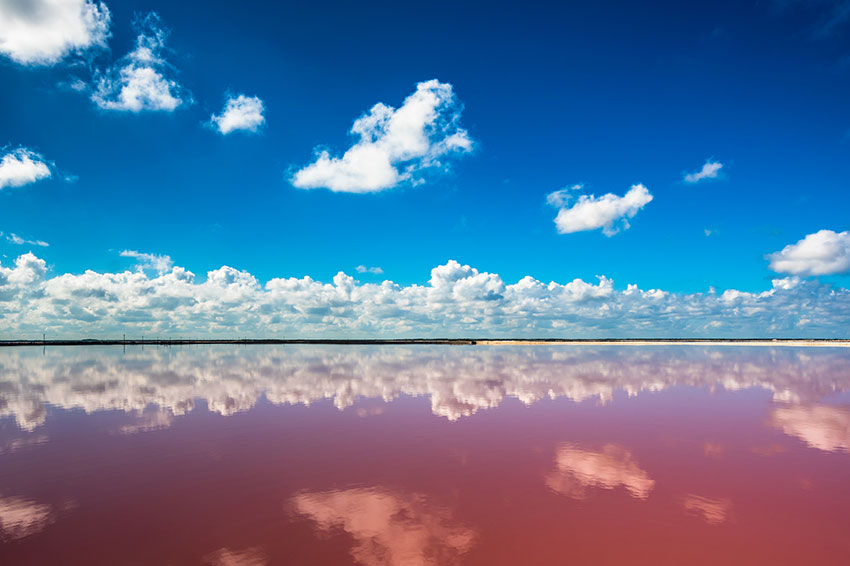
[425, 455]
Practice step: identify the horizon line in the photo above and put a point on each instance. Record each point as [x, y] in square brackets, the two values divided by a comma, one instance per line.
[429, 341]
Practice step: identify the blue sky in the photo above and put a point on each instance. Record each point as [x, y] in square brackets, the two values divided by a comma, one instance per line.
[544, 96]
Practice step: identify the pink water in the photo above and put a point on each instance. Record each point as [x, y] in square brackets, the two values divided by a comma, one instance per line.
[425, 455]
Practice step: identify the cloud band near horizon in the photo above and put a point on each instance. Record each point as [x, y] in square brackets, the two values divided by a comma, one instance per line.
[458, 301]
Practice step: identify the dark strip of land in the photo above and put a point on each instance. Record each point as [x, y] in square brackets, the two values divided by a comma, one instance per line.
[439, 341]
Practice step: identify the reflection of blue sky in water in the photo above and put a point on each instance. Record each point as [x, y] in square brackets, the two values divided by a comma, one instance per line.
[459, 381]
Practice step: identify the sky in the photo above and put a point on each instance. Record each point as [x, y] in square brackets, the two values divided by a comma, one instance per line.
[375, 169]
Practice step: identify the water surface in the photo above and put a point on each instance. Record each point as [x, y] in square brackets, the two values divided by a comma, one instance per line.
[425, 455]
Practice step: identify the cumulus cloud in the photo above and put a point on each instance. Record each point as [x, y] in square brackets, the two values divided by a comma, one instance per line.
[389, 528]
[15, 239]
[394, 144]
[609, 212]
[22, 167]
[710, 170]
[373, 270]
[823, 253]
[240, 113]
[578, 469]
[42, 32]
[141, 80]
[458, 300]
[159, 263]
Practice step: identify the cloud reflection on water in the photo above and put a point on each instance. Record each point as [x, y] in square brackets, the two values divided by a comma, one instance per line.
[389, 528]
[823, 427]
[21, 517]
[459, 381]
[712, 511]
[578, 469]
[230, 557]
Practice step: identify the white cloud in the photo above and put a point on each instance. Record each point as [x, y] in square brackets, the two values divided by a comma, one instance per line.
[822, 253]
[15, 239]
[458, 300]
[42, 32]
[159, 263]
[21, 167]
[609, 212]
[710, 170]
[373, 270]
[394, 144]
[562, 197]
[140, 82]
[240, 113]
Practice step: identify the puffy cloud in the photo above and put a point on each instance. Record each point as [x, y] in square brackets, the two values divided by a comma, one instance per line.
[42, 32]
[21, 167]
[394, 144]
[155, 262]
[823, 427]
[710, 170]
[17, 240]
[823, 253]
[372, 270]
[139, 81]
[563, 196]
[578, 469]
[609, 212]
[153, 386]
[240, 113]
[388, 528]
[712, 511]
[458, 300]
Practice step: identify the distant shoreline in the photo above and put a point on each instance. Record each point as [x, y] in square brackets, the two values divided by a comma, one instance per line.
[828, 342]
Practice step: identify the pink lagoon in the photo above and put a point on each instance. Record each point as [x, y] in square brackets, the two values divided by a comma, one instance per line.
[425, 455]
